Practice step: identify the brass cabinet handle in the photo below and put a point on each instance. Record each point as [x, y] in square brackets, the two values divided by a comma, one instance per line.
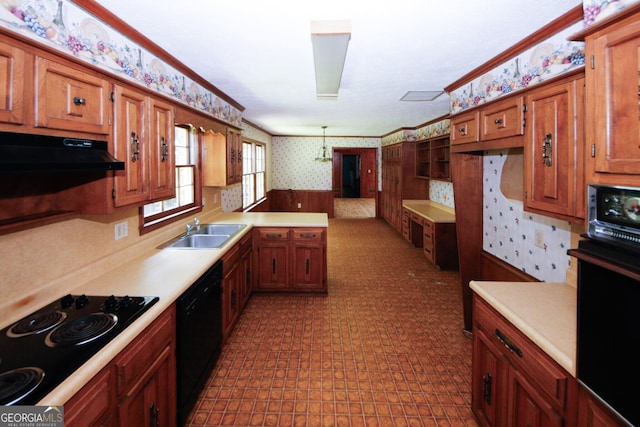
[135, 147]
[507, 343]
[79, 101]
[463, 131]
[486, 387]
[274, 235]
[164, 149]
[547, 149]
[308, 235]
[498, 121]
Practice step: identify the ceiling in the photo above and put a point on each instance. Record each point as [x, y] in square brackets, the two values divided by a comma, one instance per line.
[259, 53]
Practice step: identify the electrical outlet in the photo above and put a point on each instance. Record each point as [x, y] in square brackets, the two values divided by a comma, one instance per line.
[299, 205]
[204, 201]
[215, 199]
[121, 230]
[539, 239]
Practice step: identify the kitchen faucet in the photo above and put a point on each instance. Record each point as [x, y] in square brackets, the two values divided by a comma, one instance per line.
[191, 226]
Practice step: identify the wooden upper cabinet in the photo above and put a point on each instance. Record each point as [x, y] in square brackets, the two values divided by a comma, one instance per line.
[69, 98]
[144, 140]
[221, 157]
[162, 151]
[234, 156]
[502, 119]
[465, 128]
[613, 119]
[12, 87]
[554, 165]
[130, 133]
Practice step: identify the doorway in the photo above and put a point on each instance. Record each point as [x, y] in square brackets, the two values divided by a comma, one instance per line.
[351, 176]
[355, 182]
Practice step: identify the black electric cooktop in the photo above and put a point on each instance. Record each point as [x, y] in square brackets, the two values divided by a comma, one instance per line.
[41, 350]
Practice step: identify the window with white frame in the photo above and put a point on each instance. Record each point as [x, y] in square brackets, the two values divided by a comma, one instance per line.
[253, 173]
[186, 191]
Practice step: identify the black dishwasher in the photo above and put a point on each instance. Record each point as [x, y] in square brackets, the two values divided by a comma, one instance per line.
[199, 331]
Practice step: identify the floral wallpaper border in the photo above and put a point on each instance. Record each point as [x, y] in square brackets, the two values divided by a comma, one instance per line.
[68, 28]
[554, 56]
[442, 127]
[597, 10]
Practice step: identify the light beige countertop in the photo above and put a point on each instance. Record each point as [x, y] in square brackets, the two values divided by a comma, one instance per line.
[165, 273]
[434, 212]
[544, 312]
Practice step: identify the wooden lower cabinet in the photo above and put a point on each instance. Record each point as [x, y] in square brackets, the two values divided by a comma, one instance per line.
[514, 383]
[138, 388]
[290, 259]
[236, 282]
[593, 413]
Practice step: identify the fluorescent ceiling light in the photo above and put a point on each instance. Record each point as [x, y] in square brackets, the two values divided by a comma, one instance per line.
[330, 40]
[421, 95]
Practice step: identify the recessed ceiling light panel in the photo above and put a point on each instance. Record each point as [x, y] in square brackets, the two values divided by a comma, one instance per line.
[421, 95]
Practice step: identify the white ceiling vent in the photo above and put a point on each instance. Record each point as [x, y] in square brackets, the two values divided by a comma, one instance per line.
[421, 95]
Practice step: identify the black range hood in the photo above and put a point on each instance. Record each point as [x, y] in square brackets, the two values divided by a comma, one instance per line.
[27, 153]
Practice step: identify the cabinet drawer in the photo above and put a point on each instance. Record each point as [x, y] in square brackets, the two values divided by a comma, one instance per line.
[522, 353]
[273, 233]
[464, 128]
[246, 243]
[308, 234]
[502, 120]
[416, 218]
[133, 362]
[70, 99]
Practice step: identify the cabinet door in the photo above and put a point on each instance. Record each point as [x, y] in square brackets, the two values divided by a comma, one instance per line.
[527, 408]
[70, 99]
[130, 146]
[92, 405]
[230, 302]
[246, 275]
[593, 413]
[234, 157]
[161, 151]
[489, 372]
[12, 86]
[150, 403]
[308, 266]
[612, 91]
[552, 168]
[273, 266]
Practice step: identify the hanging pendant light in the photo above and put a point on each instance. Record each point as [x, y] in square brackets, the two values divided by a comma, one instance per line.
[324, 157]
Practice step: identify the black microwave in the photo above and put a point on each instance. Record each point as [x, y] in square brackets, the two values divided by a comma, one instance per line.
[613, 215]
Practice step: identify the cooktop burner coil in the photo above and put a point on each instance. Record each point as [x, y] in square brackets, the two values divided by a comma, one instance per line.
[18, 383]
[82, 329]
[36, 323]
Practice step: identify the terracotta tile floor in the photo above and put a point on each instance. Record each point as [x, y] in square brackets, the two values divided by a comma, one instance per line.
[384, 348]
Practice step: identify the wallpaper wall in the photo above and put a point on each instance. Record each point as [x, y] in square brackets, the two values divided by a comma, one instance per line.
[294, 165]
[510, 232]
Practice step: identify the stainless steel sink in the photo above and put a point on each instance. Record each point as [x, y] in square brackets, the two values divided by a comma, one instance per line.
[208, 236]
[220, 229]
[199, 241]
